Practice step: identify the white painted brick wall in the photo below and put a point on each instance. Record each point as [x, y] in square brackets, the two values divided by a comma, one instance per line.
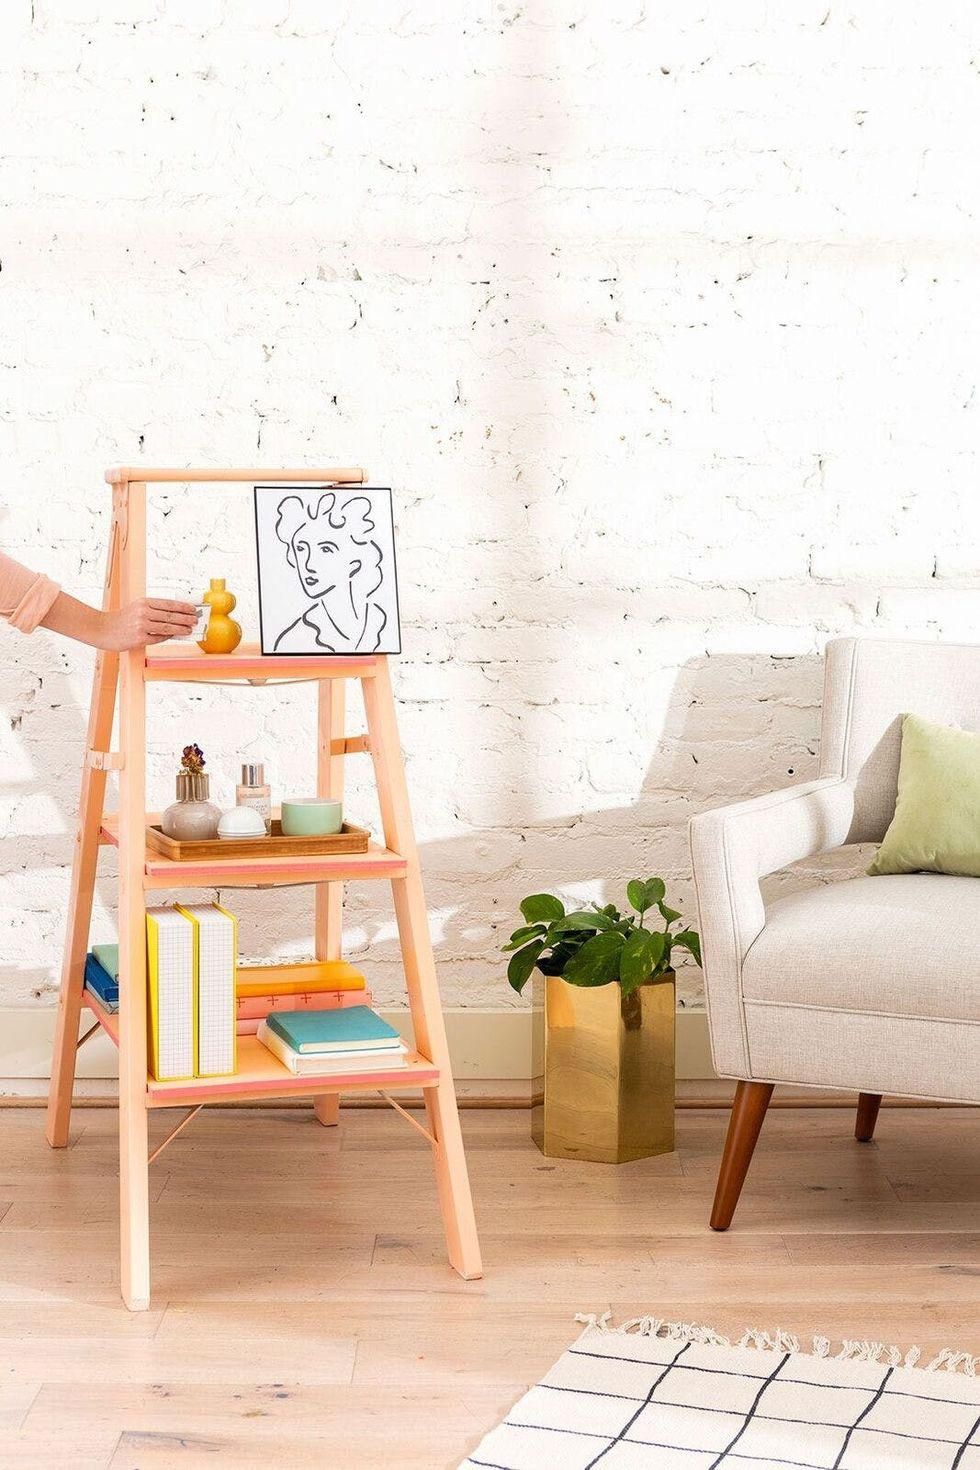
[662, 321]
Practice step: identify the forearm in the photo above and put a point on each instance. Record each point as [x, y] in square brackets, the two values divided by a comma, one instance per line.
[29, 600]
[25, 596]
[74, 619]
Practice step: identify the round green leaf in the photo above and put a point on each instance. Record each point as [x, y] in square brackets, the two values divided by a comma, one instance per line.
[597, 962]
[653, 891]
[637, 958]
[581, 920]
[689, 940]
[522, 935]
[542, 907]
[522, 963]
[634, 892]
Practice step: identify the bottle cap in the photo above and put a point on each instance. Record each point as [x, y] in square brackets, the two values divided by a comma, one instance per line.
[253, 774]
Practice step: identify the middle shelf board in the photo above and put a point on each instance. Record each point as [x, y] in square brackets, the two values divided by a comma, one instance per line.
[247, 872]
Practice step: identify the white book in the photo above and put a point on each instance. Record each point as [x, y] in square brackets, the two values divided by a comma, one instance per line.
[322, 1066]
[216, 956]
[170, 974]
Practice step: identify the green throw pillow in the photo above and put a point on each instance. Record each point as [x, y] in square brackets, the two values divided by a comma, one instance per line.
[936, 826]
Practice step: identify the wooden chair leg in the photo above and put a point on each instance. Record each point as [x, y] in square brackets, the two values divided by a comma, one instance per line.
[867, 1116]
[744, 1126]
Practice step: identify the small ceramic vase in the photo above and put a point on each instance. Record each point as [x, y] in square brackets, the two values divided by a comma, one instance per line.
[222, 634]
[192, 818]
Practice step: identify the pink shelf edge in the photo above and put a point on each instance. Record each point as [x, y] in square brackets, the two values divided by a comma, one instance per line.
[377, 862]
[187, 661]
[213, 1089]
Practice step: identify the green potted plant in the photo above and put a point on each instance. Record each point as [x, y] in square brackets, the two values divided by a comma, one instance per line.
[604, 1012]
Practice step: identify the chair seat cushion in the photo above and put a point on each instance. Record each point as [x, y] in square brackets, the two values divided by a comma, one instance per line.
[907, 945]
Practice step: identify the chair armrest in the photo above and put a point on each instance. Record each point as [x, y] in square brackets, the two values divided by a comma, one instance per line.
[731, 849]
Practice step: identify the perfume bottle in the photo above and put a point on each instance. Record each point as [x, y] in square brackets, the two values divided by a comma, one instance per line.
[192, 817]
[253, 791]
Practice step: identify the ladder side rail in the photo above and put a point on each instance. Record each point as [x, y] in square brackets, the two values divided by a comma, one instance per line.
[134, 1224]
[452, 1178]
[84, 868]
[329, 899]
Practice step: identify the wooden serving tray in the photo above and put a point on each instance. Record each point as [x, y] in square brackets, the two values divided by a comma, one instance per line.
[348, 839]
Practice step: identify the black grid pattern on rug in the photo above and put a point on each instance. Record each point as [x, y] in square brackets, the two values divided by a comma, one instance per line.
[621, 1402]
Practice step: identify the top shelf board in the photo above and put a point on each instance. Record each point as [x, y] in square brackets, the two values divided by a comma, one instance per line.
[147, 475]
[185, 662]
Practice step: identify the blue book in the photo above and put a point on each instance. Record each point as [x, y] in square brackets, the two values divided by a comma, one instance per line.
[101, 983]
[351, 1030]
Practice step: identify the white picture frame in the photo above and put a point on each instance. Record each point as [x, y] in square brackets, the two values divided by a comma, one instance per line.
[328, 583]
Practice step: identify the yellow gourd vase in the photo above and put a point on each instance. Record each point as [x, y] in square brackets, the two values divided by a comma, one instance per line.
[222, 634]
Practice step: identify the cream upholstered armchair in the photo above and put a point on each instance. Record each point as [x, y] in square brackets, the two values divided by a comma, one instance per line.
[871, 984]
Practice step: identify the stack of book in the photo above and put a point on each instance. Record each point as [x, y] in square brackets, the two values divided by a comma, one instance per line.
[325, 985]
[321, 1043]
[188, 990]
[102, 975]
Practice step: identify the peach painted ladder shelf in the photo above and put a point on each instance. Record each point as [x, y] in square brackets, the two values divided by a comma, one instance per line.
[259, 1075]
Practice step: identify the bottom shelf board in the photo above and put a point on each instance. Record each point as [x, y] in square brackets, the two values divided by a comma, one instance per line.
[260, 1074]
[108, 1020]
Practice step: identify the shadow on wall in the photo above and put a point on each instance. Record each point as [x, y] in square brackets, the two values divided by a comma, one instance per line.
[543, 731]
[735, 726]
[732, 726]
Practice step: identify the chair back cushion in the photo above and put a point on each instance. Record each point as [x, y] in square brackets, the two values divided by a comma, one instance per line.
[870, 683]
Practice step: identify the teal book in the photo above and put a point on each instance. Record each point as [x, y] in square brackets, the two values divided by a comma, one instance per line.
[354, 1029]
[108, 957]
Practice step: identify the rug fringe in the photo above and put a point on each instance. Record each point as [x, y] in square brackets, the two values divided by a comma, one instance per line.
[851, 1349]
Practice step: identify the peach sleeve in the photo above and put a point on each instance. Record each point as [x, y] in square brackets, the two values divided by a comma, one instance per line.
[25, 596]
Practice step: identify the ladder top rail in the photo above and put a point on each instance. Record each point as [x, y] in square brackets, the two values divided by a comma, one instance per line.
[145, 474]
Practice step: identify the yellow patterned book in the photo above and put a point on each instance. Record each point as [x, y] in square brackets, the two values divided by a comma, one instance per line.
[215, 964]
[172, 995]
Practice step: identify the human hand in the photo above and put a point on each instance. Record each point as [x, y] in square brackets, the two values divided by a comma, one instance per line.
[147, 620]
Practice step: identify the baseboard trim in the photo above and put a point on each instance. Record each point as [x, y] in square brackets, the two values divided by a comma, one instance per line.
[484, 1045]
[690, 1097]
[490, 1050]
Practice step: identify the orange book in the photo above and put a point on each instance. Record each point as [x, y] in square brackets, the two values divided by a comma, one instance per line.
[305, 979]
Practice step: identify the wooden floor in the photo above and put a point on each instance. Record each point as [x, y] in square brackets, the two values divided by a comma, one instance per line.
[303, 1314]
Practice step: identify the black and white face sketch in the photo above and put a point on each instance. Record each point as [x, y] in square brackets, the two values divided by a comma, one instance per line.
[327, 580]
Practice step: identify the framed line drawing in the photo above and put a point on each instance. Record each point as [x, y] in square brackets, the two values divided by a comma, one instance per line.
[327, 578]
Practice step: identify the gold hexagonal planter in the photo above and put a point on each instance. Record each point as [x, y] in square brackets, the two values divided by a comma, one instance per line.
[604, 1089]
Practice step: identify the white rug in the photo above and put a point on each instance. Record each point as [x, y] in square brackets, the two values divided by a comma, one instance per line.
[658, 1395]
